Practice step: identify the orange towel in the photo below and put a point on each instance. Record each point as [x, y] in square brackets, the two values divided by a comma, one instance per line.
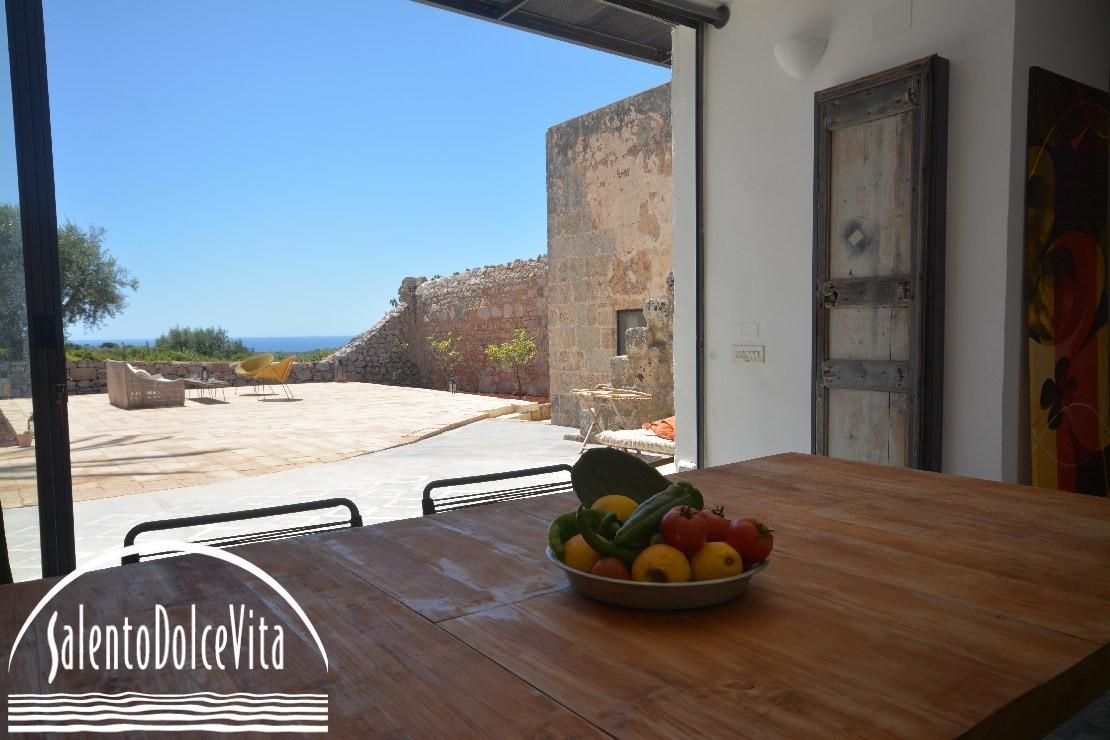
[663, 428]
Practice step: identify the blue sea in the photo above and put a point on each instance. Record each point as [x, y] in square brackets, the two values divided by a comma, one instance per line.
[256, 344]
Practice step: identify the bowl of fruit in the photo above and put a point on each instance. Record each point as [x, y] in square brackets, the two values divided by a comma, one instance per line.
[656, 545]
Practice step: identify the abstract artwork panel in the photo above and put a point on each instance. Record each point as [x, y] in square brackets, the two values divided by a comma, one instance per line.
[1067, 199]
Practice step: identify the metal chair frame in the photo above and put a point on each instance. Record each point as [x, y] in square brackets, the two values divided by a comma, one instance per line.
[247, 538]
[466, 500]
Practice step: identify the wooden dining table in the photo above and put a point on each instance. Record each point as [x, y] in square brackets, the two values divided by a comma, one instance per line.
[896, 603]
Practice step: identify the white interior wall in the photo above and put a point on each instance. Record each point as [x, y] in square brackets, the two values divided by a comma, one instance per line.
[759, 203]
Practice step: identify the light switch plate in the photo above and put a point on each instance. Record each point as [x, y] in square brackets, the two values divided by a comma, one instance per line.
[747, 353]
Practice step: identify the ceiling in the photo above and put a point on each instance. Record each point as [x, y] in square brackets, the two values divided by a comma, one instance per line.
[640, 29]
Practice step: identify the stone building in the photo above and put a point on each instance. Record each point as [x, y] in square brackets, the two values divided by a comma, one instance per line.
[609, 210]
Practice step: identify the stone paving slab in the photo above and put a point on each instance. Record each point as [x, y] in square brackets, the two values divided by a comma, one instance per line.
[118, 452]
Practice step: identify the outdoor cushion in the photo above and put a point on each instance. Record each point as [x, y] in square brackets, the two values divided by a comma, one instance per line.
[642, 440]
[663, 427]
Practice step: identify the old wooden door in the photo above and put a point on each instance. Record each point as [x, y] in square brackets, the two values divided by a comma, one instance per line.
[878, 266]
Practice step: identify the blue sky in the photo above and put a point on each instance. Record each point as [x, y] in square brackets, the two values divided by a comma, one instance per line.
[276, 167]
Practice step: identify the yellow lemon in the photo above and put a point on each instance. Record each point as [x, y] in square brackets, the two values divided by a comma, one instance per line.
[661, 564]
[578, 554]
[621, 506]
[716, 560]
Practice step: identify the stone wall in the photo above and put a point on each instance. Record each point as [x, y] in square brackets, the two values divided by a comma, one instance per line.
[381, 354]
[15, 379]
[484, 306]
[609, 211]
[481, 306]
[648, 367]
[91, 376]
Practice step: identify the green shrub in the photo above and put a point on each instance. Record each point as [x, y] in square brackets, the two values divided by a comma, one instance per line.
[514, 354]
[208, 342]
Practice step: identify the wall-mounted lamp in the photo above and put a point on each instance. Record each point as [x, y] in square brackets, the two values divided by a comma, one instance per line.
[798, 56]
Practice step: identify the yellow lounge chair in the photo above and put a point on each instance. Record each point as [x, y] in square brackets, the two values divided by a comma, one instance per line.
[246, 369]
[277, 372]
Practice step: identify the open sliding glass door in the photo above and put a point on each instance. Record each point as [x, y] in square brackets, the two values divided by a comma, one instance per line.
[35, 492]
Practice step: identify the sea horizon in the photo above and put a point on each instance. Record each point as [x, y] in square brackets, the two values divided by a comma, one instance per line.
[255, 344]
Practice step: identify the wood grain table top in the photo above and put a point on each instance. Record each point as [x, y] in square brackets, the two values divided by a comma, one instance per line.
[897, 604]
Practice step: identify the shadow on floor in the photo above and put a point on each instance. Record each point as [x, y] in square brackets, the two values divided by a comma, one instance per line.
[1093, 723]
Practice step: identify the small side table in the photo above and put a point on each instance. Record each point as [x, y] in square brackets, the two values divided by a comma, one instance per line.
[200, 386]
[604, 394]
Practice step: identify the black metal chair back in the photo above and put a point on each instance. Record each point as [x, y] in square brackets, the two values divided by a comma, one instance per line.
[466, 500]
[355, 520]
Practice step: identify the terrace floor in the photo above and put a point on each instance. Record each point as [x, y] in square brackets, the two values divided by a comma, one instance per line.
[117, 452]
[385, 485]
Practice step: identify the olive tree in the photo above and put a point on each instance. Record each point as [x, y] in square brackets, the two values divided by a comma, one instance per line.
[93, 283]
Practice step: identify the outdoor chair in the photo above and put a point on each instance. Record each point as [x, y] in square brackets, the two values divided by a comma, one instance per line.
[277, 373]
[246, 538]
[129, 388]
[470, 498]
[246, 369]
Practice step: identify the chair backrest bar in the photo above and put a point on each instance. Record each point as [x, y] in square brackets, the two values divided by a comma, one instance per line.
[430, 505]
[236, 516]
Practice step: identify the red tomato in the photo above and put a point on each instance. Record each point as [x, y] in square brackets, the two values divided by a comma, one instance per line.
[717, 522]
[683, 529]
[611, 568]
[751, 539]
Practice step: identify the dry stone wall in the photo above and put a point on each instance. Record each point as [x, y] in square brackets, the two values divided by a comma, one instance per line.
[609, 212]
[91, 376]
[484, 306]
[481, 306]
[382, 354]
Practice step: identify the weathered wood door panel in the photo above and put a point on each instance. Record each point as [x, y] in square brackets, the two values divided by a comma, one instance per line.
[878, 251]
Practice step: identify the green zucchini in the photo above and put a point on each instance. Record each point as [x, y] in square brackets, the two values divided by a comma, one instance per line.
[644, 522]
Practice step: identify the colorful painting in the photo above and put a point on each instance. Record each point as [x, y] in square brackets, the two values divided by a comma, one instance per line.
[1067, 198]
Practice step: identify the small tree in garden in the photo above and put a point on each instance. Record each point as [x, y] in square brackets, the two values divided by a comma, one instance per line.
[514, 354]
[447, 352]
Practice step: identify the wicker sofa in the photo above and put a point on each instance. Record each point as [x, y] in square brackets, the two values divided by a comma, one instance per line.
[129, 388]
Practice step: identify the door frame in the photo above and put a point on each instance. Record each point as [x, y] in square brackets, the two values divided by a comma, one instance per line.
[46, 339]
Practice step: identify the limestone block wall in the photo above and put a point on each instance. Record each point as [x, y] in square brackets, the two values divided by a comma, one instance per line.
[648, 367]
[15, 379]
[484, 306]
[609, 211]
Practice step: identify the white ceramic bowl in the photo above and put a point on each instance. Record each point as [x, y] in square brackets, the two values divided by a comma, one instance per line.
[659, 596]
